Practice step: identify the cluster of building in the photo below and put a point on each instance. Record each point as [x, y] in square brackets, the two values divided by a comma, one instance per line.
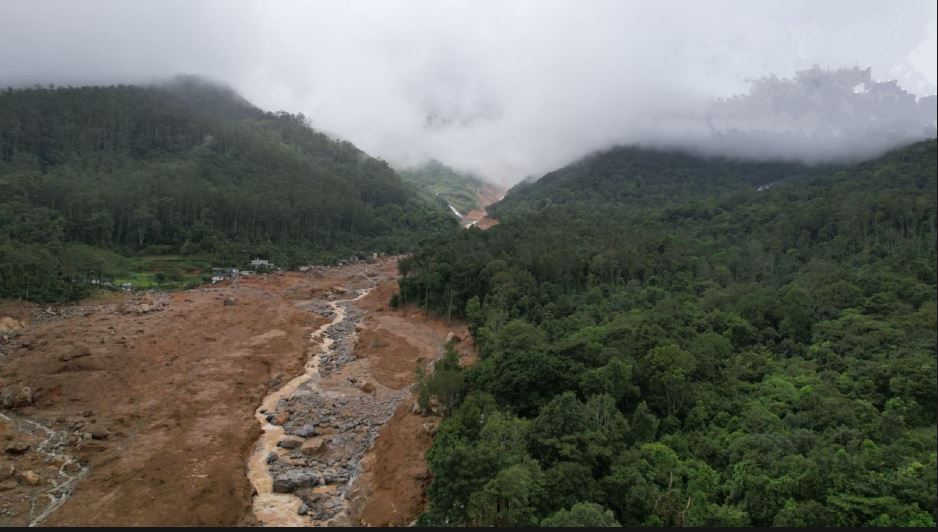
[230, 274]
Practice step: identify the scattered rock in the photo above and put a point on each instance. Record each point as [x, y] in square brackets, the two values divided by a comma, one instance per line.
[452, 337]
[303, 509]
[290, 442]
[8, 485]
[306, 431]
[430, 428]
[16, 395]
[272, 457]
[17, 447]
[368, 387]
[229, 301]
[281, 418]
[97, 433]
[313, 447]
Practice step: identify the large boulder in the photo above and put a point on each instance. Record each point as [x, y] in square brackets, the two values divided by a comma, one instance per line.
[7, 470]
[16, 447]
[30, 478]
[313, 447]
[10, 324]
[97, 432]
[307, 430]
[294, 479]
[15, 395]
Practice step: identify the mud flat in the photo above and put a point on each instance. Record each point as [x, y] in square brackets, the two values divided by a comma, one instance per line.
[141, 409]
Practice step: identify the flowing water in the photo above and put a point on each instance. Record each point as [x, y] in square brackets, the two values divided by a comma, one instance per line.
[280, 509]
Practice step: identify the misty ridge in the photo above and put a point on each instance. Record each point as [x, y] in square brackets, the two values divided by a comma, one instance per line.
[818, 116]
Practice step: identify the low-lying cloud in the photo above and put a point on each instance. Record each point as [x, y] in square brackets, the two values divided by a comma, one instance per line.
[508, 89]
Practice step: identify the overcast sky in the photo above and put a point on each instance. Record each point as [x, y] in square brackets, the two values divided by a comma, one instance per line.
[503, 88]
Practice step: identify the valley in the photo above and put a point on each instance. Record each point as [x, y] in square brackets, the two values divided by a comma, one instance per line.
[216, 315]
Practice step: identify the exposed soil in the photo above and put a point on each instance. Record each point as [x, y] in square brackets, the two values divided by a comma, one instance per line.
[479, 217]
[391, 490]
[154, 397]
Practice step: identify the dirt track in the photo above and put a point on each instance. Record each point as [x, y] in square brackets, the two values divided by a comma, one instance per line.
[156, 397]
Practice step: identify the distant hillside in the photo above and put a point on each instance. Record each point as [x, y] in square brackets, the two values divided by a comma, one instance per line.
[464, 192]
[92, 176]
[637, 177]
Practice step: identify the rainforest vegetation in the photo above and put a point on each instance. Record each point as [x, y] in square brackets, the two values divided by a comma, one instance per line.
[662, 342]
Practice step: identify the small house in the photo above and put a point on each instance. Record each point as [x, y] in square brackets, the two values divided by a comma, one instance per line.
[223, 274]
[261, 264]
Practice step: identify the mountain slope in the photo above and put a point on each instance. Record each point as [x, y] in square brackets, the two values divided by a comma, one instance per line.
[675, 347]
[641, 177]
[463, 192]
[92, 174]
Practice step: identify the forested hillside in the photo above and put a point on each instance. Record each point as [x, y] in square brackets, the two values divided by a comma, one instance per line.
[95, 176]
[637, 177]
[664, 344]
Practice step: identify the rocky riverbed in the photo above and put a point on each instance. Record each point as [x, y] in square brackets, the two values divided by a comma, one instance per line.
[318, 426]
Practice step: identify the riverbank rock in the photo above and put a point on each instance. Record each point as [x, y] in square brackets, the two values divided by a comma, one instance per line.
[290, 442]
[281, 418]
[294, 479]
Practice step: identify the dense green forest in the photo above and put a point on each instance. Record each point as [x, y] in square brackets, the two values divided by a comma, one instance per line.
[462, 191]
[662, 343]
[94, 178]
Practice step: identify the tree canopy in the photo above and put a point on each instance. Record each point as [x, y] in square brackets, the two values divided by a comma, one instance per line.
[186, 168]
[663, 343]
